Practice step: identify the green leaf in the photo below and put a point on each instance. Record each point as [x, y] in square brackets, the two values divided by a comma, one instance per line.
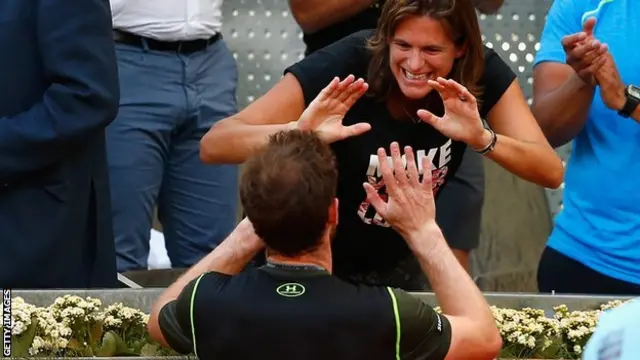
[109, 345]
[149, 350]
[20, 345]
[95, 334]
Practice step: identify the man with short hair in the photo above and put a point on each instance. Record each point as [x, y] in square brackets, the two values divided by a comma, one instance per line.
[293, 306]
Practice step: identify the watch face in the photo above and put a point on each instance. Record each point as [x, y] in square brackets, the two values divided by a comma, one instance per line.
[634, 91]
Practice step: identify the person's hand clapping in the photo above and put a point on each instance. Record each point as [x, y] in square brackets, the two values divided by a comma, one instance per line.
[325, 113]
[612, 89]
[584, 53]
[411, 204]
[461, 120]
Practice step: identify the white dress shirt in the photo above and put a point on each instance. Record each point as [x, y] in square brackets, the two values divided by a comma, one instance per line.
[168, 20]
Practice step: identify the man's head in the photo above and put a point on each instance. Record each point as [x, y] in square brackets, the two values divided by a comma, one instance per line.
[288, 192]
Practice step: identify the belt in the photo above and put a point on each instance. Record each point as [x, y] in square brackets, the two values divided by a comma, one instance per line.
[182, 47]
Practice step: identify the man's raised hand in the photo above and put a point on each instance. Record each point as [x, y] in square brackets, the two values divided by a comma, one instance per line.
[411, 203]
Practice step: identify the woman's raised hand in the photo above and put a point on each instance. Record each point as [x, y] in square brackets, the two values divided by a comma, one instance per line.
[325, 113]
[461, 120]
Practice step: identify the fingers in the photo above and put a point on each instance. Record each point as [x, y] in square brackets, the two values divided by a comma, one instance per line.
[350, 90]
[426, 176]
[441, 88]
[589, 26]
[355, 95]
[572, 40]
[463, 92]
[329, 89]
[398, 164]
[387, 172]
[594, 67]
[428, 117]
[355, 130]
[412, 169]
[342, 85]
[375, 200]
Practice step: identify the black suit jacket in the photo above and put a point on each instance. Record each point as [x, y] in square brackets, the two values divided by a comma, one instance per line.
[58, 92]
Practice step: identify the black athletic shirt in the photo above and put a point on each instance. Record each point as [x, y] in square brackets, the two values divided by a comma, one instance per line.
[276, 313]
[363, 241]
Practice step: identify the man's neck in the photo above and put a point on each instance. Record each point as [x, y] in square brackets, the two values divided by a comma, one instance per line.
[321, 257]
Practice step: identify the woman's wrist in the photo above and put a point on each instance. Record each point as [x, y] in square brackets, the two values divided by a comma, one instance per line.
[482, 141]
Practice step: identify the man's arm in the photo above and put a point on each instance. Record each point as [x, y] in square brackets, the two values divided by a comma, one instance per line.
[229, 258]
[561, 98]
[315, 15]
[474, 334]
[75, 41]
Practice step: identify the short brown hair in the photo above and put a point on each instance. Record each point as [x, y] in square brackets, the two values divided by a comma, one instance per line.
[286, 191]
[457, 16]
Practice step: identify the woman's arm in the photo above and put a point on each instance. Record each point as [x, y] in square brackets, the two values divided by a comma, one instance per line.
[521, 147]
[234, 139]
[244, 134]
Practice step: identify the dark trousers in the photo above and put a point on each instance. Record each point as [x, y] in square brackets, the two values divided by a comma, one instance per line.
[560, 273]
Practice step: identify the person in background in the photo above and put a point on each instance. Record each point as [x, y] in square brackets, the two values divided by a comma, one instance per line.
[586, 78]
[616, 335]
[432, 82]
[58, 92]
[293, 305]
[460, 203]
[177, 78]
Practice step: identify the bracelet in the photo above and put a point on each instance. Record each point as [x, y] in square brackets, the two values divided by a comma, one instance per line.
[492, 143]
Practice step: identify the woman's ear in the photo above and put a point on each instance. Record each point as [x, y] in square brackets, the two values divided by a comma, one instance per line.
[461, 50]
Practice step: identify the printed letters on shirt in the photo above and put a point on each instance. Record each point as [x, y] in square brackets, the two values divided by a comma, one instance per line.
[439, 158]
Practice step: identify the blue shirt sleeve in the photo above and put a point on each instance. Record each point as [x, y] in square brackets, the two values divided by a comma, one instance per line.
[563, 19]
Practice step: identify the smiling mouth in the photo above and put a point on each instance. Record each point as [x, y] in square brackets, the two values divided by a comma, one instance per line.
[416, 77]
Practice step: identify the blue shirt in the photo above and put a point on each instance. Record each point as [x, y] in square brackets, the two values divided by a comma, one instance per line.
[617, 334]
[600, 223]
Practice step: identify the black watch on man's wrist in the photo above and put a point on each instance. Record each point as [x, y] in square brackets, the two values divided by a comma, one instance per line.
[632, 93]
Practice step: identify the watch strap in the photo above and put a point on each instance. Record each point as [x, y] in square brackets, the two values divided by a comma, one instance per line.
[629, 106]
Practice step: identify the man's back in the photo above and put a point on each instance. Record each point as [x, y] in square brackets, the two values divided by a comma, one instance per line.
[58, 90]
[309, 314]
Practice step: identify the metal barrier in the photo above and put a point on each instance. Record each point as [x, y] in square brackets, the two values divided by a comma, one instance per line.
[143, 299]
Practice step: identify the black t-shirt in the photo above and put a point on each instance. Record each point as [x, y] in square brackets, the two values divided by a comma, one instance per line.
[366, 19]
[364, 242]
[276, 313]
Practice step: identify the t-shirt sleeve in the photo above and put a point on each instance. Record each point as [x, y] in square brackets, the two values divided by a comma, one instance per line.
[342, 58]
[563, 19]
[497, 78]
[424, 334]
[175, 316]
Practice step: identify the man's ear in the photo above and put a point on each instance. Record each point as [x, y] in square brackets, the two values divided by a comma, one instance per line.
[333, 212]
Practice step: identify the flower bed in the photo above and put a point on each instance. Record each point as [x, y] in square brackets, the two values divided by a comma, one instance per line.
[81, 327]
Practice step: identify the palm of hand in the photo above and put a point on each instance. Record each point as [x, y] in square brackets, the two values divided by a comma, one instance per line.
[326, 111]
[459, 119]
[323, 113]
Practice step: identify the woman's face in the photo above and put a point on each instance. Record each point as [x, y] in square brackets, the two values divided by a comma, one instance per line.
[420, 50]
